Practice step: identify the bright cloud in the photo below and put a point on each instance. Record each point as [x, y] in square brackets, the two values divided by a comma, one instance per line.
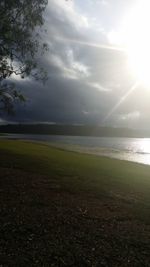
[67, 10]
[98, 86]
[71, 68]
[135, 115]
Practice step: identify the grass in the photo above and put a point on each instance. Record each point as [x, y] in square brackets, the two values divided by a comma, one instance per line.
[78, 171]
[97, 216]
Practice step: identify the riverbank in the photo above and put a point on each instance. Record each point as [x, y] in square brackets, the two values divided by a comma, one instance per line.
[61, 208]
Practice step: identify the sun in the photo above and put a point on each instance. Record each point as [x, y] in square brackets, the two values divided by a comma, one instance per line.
[137, 41]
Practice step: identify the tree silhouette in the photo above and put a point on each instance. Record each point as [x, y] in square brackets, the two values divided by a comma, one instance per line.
[20, 42]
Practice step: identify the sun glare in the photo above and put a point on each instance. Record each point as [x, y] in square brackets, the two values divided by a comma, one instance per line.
[137, 41]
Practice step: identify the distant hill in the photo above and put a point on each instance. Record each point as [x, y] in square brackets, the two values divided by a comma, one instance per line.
[83, 130]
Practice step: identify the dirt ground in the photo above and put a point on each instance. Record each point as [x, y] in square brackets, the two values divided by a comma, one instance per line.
[41, 224]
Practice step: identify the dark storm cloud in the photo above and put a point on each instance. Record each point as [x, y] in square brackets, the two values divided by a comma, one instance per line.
[84, 82]
[68, 95]
[61, 101]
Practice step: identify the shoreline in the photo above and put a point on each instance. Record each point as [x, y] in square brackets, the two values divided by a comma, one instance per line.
[112, 153]
[101, 152]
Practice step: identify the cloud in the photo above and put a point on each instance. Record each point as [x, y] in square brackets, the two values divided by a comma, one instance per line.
[135, 115]
[104, 3]
[64, 13]
[86, 77]
[68, 66]
[98, 86]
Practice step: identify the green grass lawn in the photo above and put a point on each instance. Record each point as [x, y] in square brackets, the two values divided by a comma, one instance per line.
[78, 171]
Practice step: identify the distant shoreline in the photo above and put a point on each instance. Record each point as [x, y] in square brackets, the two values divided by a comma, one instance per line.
[74, 130]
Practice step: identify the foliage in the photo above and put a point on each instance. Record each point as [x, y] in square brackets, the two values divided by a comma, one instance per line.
[20, 42]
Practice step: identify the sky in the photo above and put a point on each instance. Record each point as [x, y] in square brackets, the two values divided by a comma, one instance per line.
[97, 66]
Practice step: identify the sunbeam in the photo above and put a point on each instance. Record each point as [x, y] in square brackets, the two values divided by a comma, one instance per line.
[94, 45]
[123, 98]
